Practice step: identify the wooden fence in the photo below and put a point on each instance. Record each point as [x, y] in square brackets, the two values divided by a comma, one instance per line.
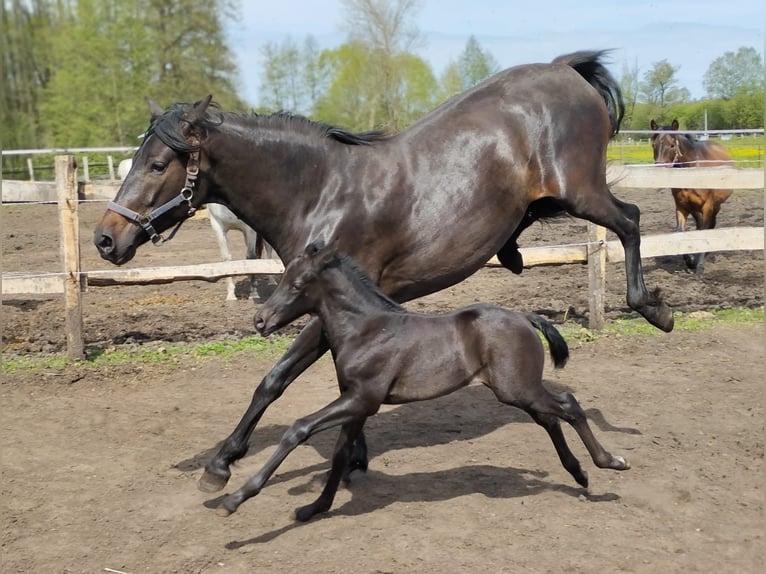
[596, 252]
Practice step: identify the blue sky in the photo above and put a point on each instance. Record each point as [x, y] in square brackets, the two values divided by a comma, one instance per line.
[688, 33]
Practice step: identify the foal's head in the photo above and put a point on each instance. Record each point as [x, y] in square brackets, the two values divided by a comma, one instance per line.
[299, 291]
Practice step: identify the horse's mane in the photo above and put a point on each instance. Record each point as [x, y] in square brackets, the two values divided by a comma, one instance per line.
[351, 269]
[167, 127]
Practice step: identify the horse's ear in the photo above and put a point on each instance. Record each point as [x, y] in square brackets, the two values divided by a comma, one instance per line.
[674, 125]
[154, 109]
[198, 112]
[654, 125]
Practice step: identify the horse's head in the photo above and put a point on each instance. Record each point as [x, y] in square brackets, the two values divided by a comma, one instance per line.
[669, 148]
[163, 187]
[299, 291]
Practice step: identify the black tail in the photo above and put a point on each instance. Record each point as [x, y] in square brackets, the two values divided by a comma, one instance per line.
[588, 65]
[556, 343]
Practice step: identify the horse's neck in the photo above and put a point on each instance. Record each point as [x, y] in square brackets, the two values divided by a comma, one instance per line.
[269, 177]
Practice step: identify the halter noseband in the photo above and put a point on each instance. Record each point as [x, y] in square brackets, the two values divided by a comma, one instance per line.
[185, 196]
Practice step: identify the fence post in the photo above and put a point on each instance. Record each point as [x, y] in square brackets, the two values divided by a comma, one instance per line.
[596, 275]
[66, 191]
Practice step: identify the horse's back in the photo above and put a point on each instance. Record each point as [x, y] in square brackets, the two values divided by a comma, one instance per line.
[713, 154]
[521, 97]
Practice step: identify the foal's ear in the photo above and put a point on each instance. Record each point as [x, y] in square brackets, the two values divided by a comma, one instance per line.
[154, 109]
[674, 125]
[313, 248]
[654, 125]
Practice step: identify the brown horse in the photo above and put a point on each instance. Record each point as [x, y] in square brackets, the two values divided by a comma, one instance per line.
[682, 150]
[384, 354]
[419, 210]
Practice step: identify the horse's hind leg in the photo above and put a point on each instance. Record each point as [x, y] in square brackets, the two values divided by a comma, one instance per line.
[576, 417]
[623, 219]
[551, 424]
[564, 406]
[340, 465]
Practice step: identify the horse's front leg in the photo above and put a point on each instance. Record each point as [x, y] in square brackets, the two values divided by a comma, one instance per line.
[307, 348]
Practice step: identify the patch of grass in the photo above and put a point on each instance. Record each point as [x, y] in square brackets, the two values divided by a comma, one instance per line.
[153, 354]
[746, 151]
[274, 346]
[696, 321]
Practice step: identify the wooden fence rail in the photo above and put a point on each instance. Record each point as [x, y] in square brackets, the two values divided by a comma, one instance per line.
[596, 251]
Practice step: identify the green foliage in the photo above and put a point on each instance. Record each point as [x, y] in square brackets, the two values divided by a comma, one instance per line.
[745, 150]
[102, 57]
[660, 88]
[735, 73]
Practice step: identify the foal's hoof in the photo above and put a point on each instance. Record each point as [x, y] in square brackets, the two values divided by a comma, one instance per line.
[226, 508]
[210, 482]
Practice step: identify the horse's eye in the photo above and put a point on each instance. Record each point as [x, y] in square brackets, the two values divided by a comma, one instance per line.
[158, 167]
[296, 286]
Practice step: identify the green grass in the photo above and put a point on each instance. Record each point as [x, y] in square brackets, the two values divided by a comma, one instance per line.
[178, 354]
[746, 151]
[152, 355]
[696, 321]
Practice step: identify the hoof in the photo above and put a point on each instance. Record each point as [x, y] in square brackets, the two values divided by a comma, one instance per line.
[306, 513]
[659, 315]
[619, 463]
[582, 479]
[223, 511]
[210, 482]
[227, 507]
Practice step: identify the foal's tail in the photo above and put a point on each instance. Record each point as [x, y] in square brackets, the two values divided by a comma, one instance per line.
[556, 343]
[588, 65]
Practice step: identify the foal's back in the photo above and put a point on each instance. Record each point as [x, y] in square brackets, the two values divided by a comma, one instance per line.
[419, 357]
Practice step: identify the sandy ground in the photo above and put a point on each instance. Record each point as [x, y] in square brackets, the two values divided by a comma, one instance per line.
[99, 466]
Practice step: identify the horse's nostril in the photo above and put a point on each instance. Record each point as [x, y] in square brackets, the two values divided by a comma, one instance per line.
[259, 323]
[104, 242]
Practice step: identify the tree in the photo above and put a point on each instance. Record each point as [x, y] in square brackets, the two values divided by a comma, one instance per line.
[26, 70]
[384, 28]
[740, 71]
[292, 78]
[629, 87]
[659, 87]
[282, 87]
[85, 66]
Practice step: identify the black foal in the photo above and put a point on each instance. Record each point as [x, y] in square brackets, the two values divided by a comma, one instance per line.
[385, 354]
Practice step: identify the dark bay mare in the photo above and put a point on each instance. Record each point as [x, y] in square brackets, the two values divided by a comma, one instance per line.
[385, 354]
[682, 150]
[419, 210]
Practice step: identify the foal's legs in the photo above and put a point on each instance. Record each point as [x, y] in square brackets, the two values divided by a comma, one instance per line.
[345, 410]
[545, 407]
[623, 219]
[307, 348]
[340, 466]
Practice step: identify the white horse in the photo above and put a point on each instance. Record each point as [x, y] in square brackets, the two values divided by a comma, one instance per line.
[222, 220]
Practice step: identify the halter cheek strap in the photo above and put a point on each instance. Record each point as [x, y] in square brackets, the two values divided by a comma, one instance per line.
[185, 196]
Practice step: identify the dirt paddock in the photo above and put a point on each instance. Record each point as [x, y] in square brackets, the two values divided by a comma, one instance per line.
[99, 466]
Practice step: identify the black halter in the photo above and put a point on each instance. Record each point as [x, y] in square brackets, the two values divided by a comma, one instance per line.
[185, 196]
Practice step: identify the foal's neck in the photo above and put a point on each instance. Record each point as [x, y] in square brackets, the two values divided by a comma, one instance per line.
[349, 299]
